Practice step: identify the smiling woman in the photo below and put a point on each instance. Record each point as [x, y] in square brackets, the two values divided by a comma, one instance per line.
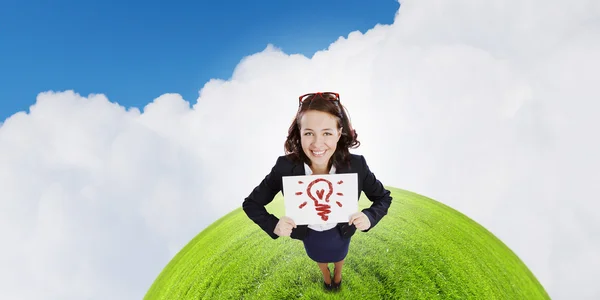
[318, 142]
[321, 114]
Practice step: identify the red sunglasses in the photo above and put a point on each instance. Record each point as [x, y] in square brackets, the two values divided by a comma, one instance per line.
[325, 95]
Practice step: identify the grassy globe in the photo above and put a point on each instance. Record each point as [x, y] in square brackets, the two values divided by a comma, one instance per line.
[421, 250]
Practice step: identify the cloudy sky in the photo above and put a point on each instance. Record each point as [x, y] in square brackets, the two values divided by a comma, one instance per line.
[487, 106]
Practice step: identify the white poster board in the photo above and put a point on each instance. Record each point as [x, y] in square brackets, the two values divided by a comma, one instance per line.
[320, 199]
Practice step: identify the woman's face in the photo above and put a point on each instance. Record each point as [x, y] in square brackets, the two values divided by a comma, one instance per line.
[319, 136]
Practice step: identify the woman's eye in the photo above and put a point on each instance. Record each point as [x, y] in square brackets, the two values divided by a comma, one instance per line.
[310, 133]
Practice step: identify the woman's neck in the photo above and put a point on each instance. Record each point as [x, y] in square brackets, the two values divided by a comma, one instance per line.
[319, 170]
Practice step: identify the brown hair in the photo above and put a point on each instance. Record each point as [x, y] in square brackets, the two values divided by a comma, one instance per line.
[293, 146]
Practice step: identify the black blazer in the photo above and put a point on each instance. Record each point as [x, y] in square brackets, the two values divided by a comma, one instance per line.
[263, 194]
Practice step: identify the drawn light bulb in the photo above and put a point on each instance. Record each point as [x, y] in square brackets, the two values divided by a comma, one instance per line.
[322, 203]
[322, 207]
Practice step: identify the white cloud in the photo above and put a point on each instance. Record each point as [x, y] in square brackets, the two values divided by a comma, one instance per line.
[487, 106]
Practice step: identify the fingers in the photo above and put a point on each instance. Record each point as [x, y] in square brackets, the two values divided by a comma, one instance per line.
[282, 230]
[284, 226]
[360, 220]
[289, 221]
[353, 220]
[285, 232]
[354, 217]
[360, 224]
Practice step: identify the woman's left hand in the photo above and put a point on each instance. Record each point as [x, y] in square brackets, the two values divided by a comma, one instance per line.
[360, 220]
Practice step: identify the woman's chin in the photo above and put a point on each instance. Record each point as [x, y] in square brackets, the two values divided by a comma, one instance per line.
[320, 160]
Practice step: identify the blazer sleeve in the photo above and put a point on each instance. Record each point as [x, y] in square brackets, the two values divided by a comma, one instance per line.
[375, 192]
[263, 194]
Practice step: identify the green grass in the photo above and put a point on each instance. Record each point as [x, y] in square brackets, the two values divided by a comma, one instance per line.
[421, 250]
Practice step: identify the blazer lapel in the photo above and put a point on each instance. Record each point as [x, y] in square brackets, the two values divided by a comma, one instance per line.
[343, 169]
[298, 169]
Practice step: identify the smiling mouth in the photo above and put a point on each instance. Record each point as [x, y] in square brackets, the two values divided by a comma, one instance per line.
[318, 153]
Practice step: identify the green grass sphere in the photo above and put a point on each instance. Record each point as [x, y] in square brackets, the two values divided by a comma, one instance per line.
[421, 250]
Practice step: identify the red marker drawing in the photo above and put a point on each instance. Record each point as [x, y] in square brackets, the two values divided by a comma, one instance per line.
[323, 209]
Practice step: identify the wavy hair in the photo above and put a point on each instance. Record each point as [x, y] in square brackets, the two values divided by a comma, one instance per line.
[348, 140]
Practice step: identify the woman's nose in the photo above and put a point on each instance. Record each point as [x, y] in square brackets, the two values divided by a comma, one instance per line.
[318, 140]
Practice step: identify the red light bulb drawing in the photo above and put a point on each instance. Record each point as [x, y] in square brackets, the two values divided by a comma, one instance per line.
[322, 207]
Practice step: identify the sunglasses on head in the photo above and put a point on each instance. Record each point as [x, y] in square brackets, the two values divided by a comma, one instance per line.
[325, 95]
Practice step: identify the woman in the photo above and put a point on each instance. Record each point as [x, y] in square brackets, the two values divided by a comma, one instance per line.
[318, 142]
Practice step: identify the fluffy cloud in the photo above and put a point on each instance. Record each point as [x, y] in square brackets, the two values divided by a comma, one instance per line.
[487, 106]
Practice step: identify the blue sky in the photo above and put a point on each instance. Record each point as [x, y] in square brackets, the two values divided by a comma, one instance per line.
[134, 51]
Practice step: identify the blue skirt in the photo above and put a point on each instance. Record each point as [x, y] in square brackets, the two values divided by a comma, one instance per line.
[326, 246]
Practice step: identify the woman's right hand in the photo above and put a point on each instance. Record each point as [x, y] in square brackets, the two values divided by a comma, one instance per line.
[284, 226]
